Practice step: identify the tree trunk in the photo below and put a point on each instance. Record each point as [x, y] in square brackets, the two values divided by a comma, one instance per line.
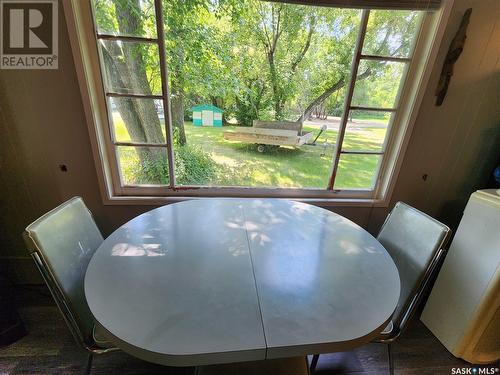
[320, 99]
[176, 33]
[276, 89]
[177, 105]
[326, 94]
[139, 116]
[279, 89]
[126, 68]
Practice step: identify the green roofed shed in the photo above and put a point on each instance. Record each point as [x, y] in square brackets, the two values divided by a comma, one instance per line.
[207, 115]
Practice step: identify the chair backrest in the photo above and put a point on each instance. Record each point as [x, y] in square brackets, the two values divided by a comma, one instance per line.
[415, 242]
[61, 243]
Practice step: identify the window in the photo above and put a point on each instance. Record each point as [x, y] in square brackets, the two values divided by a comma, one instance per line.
[252, 98]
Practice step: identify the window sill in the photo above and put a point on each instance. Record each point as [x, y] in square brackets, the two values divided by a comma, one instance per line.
[321, 202]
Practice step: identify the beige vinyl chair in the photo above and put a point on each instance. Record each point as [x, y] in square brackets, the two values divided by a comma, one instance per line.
[61, 243]
[415, 242]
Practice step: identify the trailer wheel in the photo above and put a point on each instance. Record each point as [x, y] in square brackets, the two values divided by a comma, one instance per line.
[261, 148]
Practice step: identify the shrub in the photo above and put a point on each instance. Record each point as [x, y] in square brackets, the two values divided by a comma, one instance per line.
[244, 113]
[193, 166]
[149, 168]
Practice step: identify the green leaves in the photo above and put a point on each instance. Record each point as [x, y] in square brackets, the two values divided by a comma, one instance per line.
[391, 33]
[262, 59]
[125, 17]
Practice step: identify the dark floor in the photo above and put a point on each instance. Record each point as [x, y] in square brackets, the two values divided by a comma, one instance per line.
[49, 349]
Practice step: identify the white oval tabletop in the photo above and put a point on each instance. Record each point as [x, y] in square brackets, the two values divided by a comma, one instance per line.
[229, 280]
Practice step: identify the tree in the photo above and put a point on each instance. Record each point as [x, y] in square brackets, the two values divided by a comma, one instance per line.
[280, 30]
[250, 101]
[127, 65]
[389, 34]
[198, 54]
[177, 36]
[326, 94]
[255, 59]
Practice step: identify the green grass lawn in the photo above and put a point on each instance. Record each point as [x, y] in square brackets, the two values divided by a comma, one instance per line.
[305, 167]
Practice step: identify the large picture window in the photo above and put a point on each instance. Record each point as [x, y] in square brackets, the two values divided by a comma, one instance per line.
[212, 95]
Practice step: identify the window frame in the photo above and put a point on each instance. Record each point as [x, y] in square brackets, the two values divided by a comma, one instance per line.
[83, 40]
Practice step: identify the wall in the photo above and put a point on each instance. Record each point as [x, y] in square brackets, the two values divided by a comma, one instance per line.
[42, 126]
[458, 143]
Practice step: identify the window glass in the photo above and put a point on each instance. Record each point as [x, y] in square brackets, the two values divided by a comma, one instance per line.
[137, 120]
[378, 83]
[255, 107]
[125, 17]
[131, 67]
[391, 32]
[142, 165]
[366, 130]
[256, 91]
[356, 171]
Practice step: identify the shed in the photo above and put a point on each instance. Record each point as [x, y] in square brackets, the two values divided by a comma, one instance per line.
[207, 115]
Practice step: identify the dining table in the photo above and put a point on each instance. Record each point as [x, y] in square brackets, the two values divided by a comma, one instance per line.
[209, 281]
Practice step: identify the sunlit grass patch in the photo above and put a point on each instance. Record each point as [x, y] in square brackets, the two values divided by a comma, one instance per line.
[240, 164]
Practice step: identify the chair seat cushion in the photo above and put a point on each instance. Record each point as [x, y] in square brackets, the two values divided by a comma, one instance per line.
[100, 337]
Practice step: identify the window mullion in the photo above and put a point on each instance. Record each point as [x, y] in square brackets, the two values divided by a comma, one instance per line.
[139, 144]
[385, 58]
[362, 152]
[165, 91]
[347, 104]
[375, 109]
[126, 38]
[129, 95]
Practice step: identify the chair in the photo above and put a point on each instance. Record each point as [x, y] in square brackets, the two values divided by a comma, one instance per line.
[62, 243]
[415, 242]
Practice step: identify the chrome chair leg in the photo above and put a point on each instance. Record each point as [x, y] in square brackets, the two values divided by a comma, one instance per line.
[88, 367]
[391, 360]
[314, 363]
